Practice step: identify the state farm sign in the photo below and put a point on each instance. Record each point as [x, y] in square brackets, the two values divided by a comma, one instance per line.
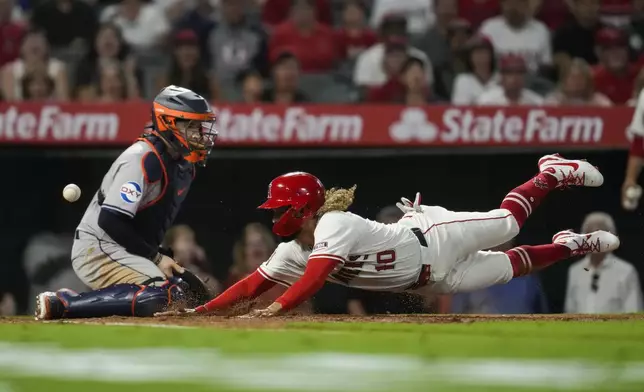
[294, 125]
[50, 122]
[355, 126]
[482, 126]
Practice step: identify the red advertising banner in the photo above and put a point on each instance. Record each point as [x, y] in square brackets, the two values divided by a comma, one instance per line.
[329, 125]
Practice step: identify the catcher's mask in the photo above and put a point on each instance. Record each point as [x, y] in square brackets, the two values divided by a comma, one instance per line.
[186, 122]
[293, 197]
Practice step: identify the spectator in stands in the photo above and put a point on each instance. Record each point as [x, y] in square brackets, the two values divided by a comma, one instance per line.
[481, 72]
[11, 33]
[251, 85]
[435, 42]
[108, 48]
[615, 75]
[576, 87]
[144, 25]
[354, 36]
[235, 44]
[411, 87]
[459, 32]
[286, 75]
[516, 32]
[602, 282]
[112, 84]
[313, 43]
[522, 295]
[419, 13]
[14, 11]
[418, 89]
[275, 12]
[38, 86]
[393, 89]
[34, 55]
[187, 252]
[253, 248]
[512, 90]
[187, 68]
[576, 38]
[66, 22]
[200, 19]
[636, 27]
[369, 70]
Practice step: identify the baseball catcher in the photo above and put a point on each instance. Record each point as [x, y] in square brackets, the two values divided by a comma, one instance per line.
[116, 248]
[430, 245]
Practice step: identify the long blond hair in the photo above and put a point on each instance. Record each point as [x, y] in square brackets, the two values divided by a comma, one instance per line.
[337, 199]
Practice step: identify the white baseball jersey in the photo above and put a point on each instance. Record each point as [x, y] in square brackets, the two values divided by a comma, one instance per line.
[371, 255]
[532, 42]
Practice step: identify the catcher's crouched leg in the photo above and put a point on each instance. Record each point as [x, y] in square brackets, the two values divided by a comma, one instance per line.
[118, 300]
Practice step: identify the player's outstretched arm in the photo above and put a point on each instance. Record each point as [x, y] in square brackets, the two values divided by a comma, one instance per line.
[248, 288]
[316, 273]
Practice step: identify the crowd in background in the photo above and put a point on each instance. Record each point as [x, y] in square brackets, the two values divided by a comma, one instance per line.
[470, 52]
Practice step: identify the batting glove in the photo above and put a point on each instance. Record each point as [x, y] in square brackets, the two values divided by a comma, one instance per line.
[407, 206]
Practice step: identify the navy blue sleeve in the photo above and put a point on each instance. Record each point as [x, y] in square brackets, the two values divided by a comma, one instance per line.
[119, 227]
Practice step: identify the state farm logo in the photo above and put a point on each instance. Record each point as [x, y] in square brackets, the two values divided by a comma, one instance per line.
[52, 122]
[502, 126]
[296, 124]
[413, 124]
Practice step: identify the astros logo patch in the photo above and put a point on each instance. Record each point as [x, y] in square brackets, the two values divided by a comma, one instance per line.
[130, 192]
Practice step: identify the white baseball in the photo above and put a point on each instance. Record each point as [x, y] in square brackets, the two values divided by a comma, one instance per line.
[71, 193]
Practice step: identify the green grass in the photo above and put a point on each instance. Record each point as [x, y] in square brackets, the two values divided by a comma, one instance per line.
[611, 343]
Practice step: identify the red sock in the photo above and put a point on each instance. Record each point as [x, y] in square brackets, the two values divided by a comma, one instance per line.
[525, 259]
[522, 200]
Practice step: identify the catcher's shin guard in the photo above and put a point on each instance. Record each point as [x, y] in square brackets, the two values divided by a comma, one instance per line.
[117, 300]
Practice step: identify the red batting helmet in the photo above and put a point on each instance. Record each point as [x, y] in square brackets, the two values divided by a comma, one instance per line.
[301, 193]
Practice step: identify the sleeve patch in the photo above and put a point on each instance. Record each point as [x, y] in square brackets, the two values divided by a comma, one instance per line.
[321, 245]
[131, 192]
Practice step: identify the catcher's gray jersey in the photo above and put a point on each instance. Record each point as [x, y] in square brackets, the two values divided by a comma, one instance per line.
[124, 187]
[97, 259]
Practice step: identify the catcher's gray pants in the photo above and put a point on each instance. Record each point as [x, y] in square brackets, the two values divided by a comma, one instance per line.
[100, 264]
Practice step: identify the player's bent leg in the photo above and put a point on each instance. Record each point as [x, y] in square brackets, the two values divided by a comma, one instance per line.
[526, 259]
[118, 300]
[484, 269]
[554, 172]
[99, 264]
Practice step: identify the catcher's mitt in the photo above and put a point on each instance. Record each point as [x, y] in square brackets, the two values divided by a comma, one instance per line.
[198, 293]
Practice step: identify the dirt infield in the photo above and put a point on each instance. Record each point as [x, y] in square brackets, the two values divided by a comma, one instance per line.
[283, 321]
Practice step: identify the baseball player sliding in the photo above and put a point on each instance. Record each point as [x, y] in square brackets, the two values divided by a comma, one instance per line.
[428, 246]
[116, 248]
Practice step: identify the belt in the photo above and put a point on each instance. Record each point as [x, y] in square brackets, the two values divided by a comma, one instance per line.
[425, 271]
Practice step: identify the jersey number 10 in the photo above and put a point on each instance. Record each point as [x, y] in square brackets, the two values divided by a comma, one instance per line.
[352, 268]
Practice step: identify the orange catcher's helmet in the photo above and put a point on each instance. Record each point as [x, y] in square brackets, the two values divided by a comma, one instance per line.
[294, 197]
[186, 121]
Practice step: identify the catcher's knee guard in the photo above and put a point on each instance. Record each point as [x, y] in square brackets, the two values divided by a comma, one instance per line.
[117, 300]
